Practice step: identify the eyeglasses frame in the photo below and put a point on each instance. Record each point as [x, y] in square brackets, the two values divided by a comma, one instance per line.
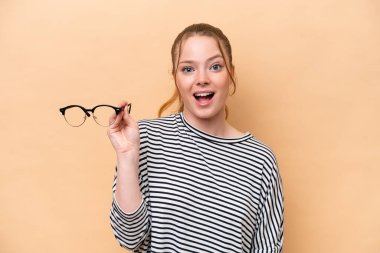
[87, 111]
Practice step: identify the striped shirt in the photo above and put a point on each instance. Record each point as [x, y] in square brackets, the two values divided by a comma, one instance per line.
[202, 193]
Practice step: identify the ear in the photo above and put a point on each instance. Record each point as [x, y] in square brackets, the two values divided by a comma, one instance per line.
[174, 80]
[232, 70]
[173, 75]
[233, 80]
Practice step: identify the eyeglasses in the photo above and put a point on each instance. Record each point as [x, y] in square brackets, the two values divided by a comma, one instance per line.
[76, 115]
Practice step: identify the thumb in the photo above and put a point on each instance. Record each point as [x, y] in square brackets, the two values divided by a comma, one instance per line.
[126, 113]
[115, 121]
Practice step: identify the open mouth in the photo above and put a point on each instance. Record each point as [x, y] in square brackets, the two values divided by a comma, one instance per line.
[204, 96]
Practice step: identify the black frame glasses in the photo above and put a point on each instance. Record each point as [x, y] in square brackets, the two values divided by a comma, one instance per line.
[92, 111]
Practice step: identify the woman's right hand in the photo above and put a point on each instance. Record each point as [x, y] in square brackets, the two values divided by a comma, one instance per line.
[124, 133]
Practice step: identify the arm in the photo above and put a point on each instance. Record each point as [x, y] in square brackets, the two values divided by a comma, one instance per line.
[129, 214]
[132, 228]
[269, 233]
[127, 187]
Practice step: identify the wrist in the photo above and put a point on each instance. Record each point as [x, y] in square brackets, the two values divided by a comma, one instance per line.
[128, 160]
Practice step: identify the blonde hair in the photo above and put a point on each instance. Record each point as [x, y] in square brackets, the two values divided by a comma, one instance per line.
[201, 29]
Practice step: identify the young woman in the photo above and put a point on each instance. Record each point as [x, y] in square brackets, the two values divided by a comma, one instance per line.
[191, 182]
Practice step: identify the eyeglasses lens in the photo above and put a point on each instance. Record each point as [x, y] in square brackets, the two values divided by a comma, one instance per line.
[102, 115]
[75, 116]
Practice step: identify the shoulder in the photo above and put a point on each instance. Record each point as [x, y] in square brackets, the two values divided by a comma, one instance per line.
[163, 124]
[262, 152]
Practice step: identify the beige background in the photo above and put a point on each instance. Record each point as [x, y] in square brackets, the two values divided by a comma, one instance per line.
[308, 86]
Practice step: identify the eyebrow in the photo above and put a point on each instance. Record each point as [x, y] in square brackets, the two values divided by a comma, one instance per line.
[209, 59]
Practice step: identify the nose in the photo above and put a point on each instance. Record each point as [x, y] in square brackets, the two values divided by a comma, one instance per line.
[202, 78]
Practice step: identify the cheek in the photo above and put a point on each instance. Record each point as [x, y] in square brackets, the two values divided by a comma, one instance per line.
[184, 82]
[223, 81]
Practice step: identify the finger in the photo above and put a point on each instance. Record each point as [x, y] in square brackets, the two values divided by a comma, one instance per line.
[114, 120]
[126, 116]
[123, 104]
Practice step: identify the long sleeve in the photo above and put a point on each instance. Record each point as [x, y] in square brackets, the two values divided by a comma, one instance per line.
[132, 229]
[270, 222]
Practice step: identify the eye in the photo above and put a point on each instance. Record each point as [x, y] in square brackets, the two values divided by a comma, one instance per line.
[216, 67]
[187, 69]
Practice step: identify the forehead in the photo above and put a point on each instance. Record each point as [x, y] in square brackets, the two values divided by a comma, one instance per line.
[199, 47]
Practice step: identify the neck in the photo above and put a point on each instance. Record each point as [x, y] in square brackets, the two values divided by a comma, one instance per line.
[216, 126]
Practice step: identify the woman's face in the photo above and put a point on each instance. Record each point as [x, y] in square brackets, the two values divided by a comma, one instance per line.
[202, 78]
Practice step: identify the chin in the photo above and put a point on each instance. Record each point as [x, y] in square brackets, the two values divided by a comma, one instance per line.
[208, 114]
